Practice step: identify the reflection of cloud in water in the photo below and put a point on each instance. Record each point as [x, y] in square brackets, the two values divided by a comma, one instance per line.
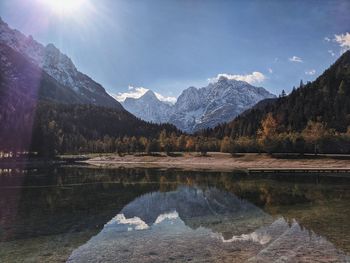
[206, 226]
[254, 237]
[135, 222]
[170, 216]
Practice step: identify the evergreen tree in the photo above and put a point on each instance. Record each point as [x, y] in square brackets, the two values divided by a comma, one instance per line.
[283, 94]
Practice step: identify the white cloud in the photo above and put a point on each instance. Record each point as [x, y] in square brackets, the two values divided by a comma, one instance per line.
[343, 40]
[169, 216]
[327, 39]
[137, 92]
[270, 70]
[135, 223]
[296, 59]
[134, 92]
[168, 99]
[310, 72]
[253, 78]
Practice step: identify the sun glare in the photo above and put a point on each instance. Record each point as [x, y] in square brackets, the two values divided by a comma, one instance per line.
[64, 7]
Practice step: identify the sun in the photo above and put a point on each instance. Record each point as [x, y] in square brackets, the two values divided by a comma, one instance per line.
[64, 7]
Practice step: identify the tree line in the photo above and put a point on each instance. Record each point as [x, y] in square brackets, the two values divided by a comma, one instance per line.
[66, 129]
[315, 138]
[72, 129]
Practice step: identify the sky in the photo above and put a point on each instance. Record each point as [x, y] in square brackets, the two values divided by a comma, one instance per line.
[130, 46]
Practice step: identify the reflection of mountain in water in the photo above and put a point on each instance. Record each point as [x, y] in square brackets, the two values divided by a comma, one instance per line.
[202, 225]
[196, 207]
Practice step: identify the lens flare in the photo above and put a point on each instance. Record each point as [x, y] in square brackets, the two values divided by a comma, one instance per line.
[64, 7]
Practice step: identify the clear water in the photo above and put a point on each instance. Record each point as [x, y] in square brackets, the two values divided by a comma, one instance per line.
[82, 214]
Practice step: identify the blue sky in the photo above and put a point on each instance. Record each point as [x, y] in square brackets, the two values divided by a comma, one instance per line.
[168, 46]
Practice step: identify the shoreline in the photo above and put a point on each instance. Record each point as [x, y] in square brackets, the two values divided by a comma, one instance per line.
[223, 162]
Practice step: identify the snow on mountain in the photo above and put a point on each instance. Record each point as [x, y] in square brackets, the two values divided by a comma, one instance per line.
[195, 109]
[57, 65]
[148, 107]
[220, 101]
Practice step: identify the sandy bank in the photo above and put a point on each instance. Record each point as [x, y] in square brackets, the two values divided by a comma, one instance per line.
[221, 161]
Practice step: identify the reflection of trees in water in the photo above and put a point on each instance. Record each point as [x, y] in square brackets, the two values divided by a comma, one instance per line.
[51, 210]
[81, 197]
[65, 200]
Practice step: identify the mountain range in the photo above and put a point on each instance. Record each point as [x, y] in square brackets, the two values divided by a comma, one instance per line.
[197, 109]
[44, 73]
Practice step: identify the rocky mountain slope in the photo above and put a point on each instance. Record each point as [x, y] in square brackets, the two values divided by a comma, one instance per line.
[149, 108]
[58, 66]
[218, 102]
[23, 80]
[197, 109]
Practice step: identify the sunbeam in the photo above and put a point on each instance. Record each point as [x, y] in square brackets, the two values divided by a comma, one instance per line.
[65, 7]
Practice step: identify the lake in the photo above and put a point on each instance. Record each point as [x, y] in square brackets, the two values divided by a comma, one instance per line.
[86, 214]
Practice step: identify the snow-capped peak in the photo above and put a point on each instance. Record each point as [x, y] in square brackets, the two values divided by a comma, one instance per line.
[148, 107]
[138, 92]
[150, 95]
[195, 108]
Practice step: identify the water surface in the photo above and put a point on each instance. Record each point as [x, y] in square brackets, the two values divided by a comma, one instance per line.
[83, 214]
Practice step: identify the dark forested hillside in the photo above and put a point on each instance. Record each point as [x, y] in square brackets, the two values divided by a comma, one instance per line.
[49, 128]
[79, 128]
[326, 100]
